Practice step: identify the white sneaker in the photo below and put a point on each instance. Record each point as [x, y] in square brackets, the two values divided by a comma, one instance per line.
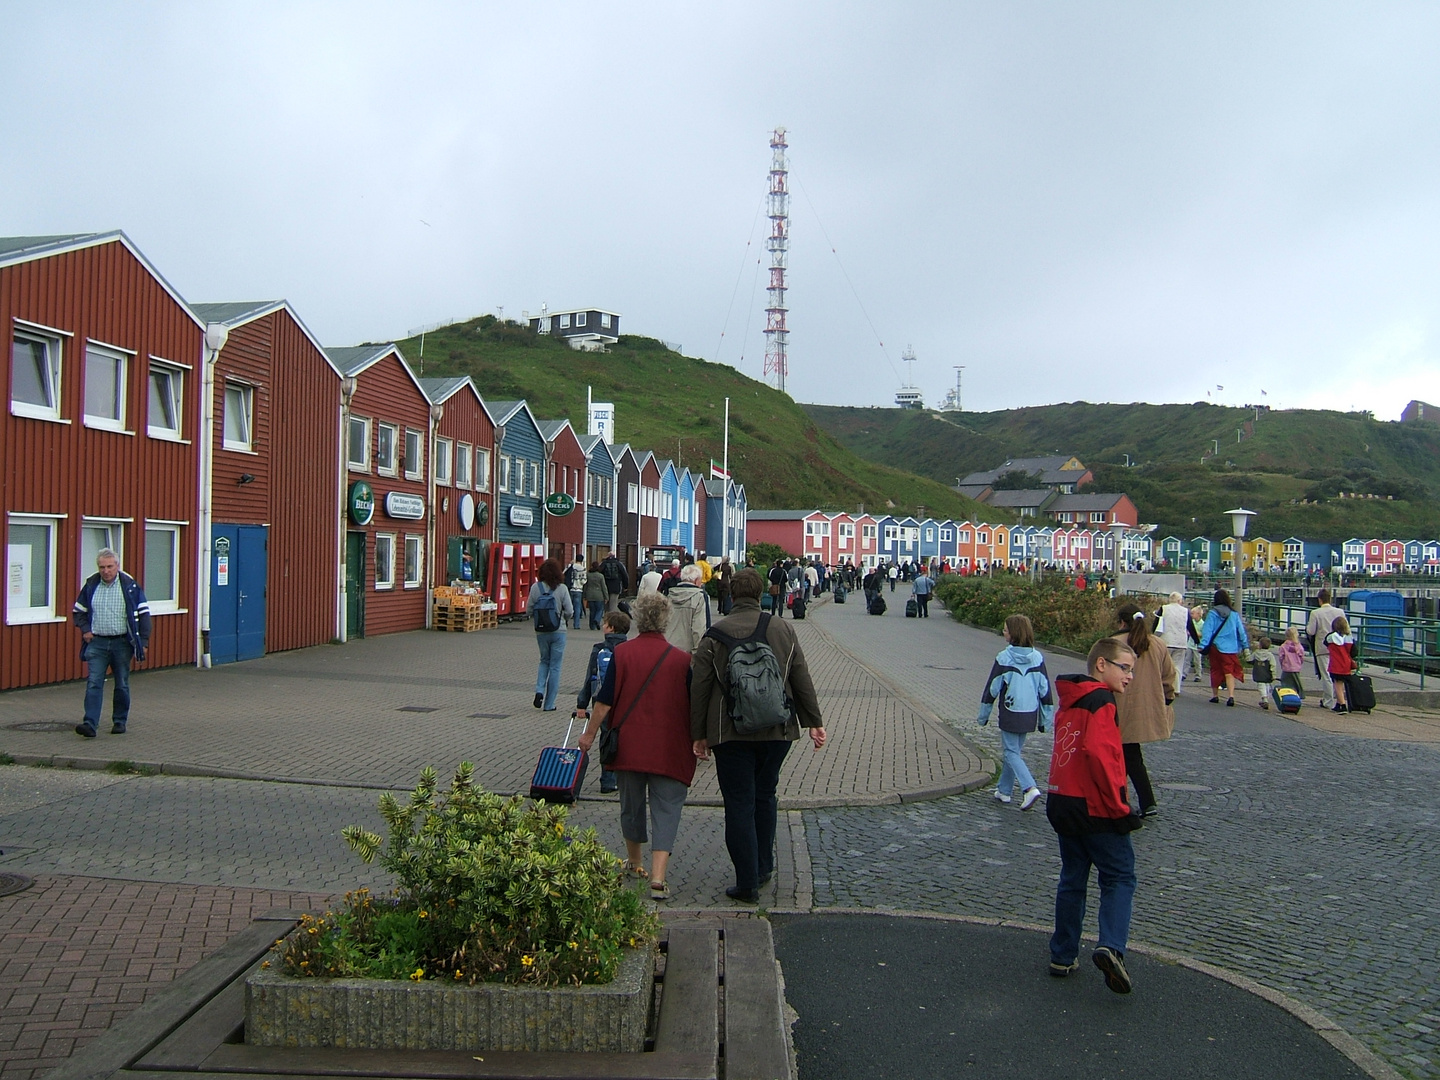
[1031, 796]
[1000, 796]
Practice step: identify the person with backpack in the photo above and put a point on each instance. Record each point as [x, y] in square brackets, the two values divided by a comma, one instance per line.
[596, 595]
[750, 694]
[575, 576]
[616, 625]
[778, 580]
[549, 607]
[1265, 670]
[617, 580]
[1019, 682]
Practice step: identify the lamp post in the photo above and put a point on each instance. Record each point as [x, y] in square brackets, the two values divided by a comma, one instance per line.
[1239, 523]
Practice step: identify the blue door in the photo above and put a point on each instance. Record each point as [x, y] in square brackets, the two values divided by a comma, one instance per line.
[237, 592]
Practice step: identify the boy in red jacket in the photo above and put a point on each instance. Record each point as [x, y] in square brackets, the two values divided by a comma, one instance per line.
[1089, 811]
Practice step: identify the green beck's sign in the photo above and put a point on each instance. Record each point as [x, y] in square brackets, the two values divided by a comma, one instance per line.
[361, 503]
[559, 504]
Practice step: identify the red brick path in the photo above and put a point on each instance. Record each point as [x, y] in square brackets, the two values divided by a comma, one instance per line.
[77, 954]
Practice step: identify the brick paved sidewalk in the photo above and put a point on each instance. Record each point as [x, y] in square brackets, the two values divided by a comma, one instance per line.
[374, 712]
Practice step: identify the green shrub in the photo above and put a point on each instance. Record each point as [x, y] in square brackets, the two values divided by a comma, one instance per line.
[489, 889]
[1062, 614]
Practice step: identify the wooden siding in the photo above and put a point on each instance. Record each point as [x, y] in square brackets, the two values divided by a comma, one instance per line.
[523, 441]
[600, 520]
[385, 392]
[566, 534]
[107, 294]
[465, 420]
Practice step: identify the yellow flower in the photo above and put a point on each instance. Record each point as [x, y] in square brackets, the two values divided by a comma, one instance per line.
[265, 964]
[560, 827]
[459, 974]
[424, 914]
[417, 974]
[527, 960]
[573, 945]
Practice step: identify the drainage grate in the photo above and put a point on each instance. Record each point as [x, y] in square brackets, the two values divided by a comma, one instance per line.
[13, 883]
[418, 708]
[41, 725]
[489, 716]
[942, 667]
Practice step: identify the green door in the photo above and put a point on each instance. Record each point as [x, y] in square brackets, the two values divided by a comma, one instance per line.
[354, 585]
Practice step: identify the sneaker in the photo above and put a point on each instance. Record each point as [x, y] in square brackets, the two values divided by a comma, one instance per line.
[1030, 798]
[1265, 705]
[539, 700]
[117, 729]
[1338, 708]
[1001, 797]
[1150, 811]
[1060, 970]
[1112, 964]
[85, 730]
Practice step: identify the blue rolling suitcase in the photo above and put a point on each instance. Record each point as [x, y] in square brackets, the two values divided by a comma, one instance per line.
[560, 772]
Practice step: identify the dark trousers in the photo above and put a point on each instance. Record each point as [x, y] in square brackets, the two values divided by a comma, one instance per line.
[113, 654]
[922, 602]
[748, 773]
[1139, 775]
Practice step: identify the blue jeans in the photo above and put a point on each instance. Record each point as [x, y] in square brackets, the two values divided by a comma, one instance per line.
[597, 613]
[547, 679]
[577, 605]
[748, 774]
[1113, 857]
[1012, 765]
[115, 654]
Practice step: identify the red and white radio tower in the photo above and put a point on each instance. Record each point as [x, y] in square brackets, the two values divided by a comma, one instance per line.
[777, 334]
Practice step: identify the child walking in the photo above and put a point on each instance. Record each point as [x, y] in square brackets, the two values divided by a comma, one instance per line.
[1090, 814]
[1265, 669]
[1292, 661]
[1019, 681]
[1341, 644]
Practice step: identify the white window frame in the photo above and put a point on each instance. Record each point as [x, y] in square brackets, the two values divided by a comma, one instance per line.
[667, 505]
[534, 479]
[580, 318]
[363, 465]
[380, 467]
[417, 544]
[247, 400]
[29, 614]
[54, 342]
[121, 359]
[462, 453]
[444, 453]
[564, 322]
[605, 322]
[176, 376]
[482, 469]
[947, 536]
[173, 529]
[115, 542]
[632, 498]
[385, 582]
[414, 470]
[505, 473]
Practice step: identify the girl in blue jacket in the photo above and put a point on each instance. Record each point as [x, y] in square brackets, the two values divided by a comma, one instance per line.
[1019, 682]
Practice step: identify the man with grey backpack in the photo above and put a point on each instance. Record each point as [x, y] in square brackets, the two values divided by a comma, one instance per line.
[750, 694]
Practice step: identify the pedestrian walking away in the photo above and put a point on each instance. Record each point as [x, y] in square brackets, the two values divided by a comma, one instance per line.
[646, 690]
[1223, 638]
[596, 595]
[113, 618]
[1145, 711]
[1317, 629]
[1019, 682]
[690, 614]
[751, 693]
[616, 625]
[1292, 661]
[575, 575]
[922, 588]
[723, 588]
[1087, 808]
[1178, 632]
[1265, 670]
[894, 575]
[617, 580]
[550, 609]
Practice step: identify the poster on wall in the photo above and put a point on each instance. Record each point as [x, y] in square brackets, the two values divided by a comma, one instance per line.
[17, 575]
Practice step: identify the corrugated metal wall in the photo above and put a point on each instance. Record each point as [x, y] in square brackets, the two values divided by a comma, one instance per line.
[466, 421]
[106, 294]
[566, 534]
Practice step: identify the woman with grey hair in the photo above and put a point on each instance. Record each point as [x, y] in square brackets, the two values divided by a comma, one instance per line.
[690, 617]
[645, 699]
[1177, 631]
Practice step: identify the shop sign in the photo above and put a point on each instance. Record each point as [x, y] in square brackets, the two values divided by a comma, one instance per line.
[482, 514]
[559, 504]
[522, 516]
[408, 507]
[361, 502]
[467, 511]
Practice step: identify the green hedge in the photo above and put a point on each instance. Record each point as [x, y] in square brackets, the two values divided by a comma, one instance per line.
[1062, 614]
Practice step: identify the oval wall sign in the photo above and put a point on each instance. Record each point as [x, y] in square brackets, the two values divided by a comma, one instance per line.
[482, 514]
[522, 516]
[361, 503]
[406, 507]
[467, 511]
[559, 504]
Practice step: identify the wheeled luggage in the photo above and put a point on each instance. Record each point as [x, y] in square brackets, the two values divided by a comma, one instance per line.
[797, 609]
[912, 609]
[1362, 694]
[1287, 700]
[560, 772]
[840, 594]
[877, 605]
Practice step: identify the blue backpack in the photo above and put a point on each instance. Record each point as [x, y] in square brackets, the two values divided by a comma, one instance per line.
[602, 665]
[545, 612]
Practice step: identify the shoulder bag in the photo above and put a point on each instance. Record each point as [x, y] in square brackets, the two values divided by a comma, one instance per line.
[607, 745]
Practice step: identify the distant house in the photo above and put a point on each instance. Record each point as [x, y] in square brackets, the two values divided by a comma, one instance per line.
[1062, 472]
[1094, 509]
[978, 492]
[725, 513]
[1029, 503]
[1418, 411]
[583, 328]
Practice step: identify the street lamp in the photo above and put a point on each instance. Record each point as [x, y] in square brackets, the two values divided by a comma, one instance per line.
[1239, 523]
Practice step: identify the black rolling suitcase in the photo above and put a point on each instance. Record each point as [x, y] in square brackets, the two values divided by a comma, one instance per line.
[877, 605]
[912, 609]
[840, 594]
[560, 772]
[797, 609]
[1362, 694]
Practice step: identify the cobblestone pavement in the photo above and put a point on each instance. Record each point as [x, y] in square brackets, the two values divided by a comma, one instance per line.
[347, 715]
[1305, 860]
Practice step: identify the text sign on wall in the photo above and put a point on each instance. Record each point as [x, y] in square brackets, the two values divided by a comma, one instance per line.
[222, 569]
[522, 516]
[361, 503]
[602, 420]
[467, 511]
[406, 507]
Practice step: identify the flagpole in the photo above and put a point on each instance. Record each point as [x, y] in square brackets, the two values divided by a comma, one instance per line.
[725, 464]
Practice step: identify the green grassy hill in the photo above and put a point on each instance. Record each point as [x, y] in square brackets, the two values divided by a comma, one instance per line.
[675, 406]
[1290, 466]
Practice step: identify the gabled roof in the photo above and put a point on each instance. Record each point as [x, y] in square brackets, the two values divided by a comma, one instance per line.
[440, 391]
[503, 411]
[1024, 499]
[778, 515]
[1095, 501]
[235, 314]
[351, 360]
[715, 488]
[666, 465]
[642, 458]
[592, 443]
[550, 428]
[21, 249]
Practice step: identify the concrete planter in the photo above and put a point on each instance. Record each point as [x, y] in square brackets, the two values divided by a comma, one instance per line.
[382, 1014]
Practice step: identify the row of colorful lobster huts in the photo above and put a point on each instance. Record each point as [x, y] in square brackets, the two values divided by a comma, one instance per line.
[1295, 555]
[271, 493]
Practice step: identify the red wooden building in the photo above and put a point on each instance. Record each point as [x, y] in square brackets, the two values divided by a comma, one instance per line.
[274, 476]
[97, 445]
[388, 425]
[462, 469]
[565, 463]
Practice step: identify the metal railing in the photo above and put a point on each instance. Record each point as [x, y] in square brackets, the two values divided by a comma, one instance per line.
[1396, 642]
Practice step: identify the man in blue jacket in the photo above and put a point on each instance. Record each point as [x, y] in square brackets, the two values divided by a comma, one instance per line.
[113, 617]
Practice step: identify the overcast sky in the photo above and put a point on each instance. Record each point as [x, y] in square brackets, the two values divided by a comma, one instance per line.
[1109, 201]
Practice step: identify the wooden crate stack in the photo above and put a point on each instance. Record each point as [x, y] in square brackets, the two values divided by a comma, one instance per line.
[463, 610]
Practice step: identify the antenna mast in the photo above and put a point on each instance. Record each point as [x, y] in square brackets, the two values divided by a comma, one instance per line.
[777, 334]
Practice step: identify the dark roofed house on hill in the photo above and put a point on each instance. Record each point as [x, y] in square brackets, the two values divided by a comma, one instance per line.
[1063, 472]
[1093, 509]
[583, 328]
[1030, 502]
[1417, 411]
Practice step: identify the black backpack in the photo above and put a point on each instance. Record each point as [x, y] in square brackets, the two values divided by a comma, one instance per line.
[754, 686]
